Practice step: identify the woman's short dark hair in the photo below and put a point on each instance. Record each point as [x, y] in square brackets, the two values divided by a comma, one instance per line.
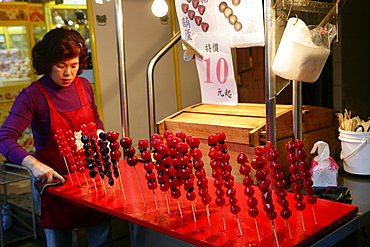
[59, 44]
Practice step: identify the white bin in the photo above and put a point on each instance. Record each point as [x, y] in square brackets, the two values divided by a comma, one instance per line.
[355, 151]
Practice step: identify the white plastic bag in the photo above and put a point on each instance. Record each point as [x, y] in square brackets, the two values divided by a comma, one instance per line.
[324, 169]
[303, 51]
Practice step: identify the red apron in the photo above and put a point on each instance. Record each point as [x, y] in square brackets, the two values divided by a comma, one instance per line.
[57, 212]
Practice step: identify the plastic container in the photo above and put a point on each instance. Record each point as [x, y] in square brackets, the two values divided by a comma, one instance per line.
[297, 57]
[355, 151]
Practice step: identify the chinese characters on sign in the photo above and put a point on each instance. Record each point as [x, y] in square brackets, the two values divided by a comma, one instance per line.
[215, 70]
[212, 27]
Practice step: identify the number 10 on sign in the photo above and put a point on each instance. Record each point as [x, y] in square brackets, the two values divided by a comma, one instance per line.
[215, 71]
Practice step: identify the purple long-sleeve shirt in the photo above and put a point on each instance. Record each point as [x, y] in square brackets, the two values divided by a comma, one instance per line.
[30, 107]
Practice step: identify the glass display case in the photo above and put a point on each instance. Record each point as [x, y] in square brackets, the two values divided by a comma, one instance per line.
[21, 26]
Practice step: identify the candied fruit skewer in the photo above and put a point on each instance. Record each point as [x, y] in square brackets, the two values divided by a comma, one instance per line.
[259, 163]
[85, 139]
[248, 182]
[306, 176]
[200, 173]
[64, 149]
[156, 141]
[131, 160]
[279, 183]
[295, 179]
[146, 158]
[218, 182]
[226, 168]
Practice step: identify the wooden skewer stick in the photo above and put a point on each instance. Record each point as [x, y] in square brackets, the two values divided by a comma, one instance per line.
[240, 229]
[258, 230]
[155, 200]
[208, 215]
[78, 179]
[223, 218]
[141, 189]
[121, 182]
[193, 209]
[178, 204]
[69, 173]
[303, 226]
[289, 229]
[314, 214]
[167, 201]
[275, 234]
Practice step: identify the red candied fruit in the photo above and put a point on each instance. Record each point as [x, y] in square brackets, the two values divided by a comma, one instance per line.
[272, 155]
[126, 142]
[235, 209]
[244, 169]
[112, 136]
[285, 213]
[191, 196]
[192, 141]
[220, 201]
[163, 149]
[300, 206]
[253, 212]
[129, 152]
[290, 147]
[221, 136]
[258, 162]
[242, 158]
[182, 147]
[143, 144]
[114, 145]
[298, 144]
[206, 199]
[156, 136]
[167, 133]
[181, 135]
[132, 161]
[212, 139]
[260, 151]
[115, 154]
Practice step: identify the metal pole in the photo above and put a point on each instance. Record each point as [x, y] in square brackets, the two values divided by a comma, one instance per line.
[269, 78]
[297, 110]
[122, 67]
[150, 80]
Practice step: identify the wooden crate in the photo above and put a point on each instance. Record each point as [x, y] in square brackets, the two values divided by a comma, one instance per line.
[244, 126]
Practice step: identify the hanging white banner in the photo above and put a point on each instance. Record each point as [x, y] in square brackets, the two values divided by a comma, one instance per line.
[241, 19]
[215, 70]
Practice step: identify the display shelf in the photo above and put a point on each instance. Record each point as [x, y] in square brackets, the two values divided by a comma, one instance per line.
[111, 200]
[15, 234]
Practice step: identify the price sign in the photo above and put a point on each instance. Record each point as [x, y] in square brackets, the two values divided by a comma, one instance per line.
[215, 70]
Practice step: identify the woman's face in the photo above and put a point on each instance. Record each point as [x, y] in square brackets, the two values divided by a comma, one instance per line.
[64, 72]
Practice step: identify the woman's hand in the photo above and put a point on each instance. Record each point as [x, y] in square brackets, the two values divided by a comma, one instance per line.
[42, 172]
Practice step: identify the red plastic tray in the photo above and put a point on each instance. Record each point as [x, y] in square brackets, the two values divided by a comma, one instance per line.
[197, 231]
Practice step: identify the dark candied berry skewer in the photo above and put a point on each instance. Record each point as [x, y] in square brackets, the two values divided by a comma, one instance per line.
[157, 141]
[306, 175]
[279, 183]
[296, 186]
[218, 182]
[186, 172]
[85, 139]
[259, 163]
[248, 182]
[146, 158]
[200, 173]
[131, 160]
[226, 168]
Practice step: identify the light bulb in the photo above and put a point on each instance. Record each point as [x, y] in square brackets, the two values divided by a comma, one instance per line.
[159, 8]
